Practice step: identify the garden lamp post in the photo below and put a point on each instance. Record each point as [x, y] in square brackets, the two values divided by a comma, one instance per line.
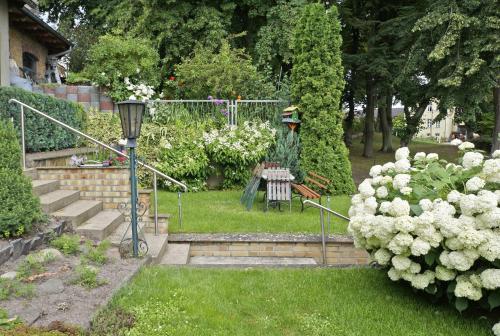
[131, 112]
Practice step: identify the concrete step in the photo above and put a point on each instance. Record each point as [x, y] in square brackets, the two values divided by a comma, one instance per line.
[58, 199]
[101, 225]
[32, 173]
[156, 245]
[79, 211]
[176, 254]
[116, 236]
[252, 261]
[41, 187]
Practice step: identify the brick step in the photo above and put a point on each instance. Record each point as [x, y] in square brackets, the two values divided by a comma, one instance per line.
[41, 187]
[157, 245]
[116, 237]
[101, 225]
[252, 261]
[79, 211]
[58, 199]
[32, 173]
[176, 254]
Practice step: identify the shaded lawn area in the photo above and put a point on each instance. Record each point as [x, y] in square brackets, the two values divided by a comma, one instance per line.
[221, 211]
[313, 302]
[361, 165]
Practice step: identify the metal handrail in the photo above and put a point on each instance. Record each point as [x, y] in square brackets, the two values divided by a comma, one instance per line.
[102, 144]
[322, 209]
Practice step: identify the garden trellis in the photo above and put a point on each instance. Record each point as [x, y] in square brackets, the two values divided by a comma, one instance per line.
[235, 111]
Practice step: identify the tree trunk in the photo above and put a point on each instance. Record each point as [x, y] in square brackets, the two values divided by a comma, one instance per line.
[369, 120]
[349, 121]
[495, 145]
[385, 111]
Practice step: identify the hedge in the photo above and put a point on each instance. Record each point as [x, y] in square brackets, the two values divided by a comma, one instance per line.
[42, 134]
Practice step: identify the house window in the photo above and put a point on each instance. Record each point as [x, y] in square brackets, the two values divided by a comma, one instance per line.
[429, 123]
[429, 108]
[29, 65]
[437, 135]
[437, 124]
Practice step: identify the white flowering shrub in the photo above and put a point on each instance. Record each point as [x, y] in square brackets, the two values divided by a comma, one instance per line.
[237, 148]
[435, 225]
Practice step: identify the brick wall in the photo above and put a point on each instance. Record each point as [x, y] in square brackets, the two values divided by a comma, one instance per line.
[88, 96]
[338, 253]
[19, 43]
[110, 185]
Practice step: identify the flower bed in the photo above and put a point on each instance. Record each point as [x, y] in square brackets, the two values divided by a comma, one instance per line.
[435, 224]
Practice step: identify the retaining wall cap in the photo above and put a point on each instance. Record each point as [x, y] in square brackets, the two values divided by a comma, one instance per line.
[256, 237]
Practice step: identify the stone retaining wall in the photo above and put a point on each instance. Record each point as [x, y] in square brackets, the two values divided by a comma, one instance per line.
[55, 158]
[340, 249]
[87, 95]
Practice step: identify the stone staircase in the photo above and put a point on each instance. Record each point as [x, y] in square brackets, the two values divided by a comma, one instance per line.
[89, 218]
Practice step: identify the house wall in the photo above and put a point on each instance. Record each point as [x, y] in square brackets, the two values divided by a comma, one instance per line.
[88, 96]
[4, 43]
[19, 43]
[441, 129]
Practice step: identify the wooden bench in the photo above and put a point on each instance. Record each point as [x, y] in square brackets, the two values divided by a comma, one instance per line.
[318, 187]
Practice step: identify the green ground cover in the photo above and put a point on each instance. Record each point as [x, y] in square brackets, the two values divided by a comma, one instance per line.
[221, 211]
[340, 302]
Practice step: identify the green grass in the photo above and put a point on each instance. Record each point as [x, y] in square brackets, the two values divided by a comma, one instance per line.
[221, 211]
[337, 302]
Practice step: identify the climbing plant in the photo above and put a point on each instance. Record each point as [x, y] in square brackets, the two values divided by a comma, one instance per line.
[317, 84]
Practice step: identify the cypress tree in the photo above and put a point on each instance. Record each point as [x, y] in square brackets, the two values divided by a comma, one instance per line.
[317, 85]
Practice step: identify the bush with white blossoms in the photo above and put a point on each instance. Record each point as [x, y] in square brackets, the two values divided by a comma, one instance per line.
[236, 148]
[435, 225]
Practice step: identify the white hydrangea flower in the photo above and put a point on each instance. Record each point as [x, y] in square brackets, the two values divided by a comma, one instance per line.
[419, 247]
[456, 142]
[454, 196]
[382, 256]
[382, 192]
[468, 204]
[466, 145]
[475, 184]
[419, 156]
[402, 153]
[496, 329]
[402, 166]
[400, 243]
[406, 191]
[375, 171]
[401, 181]
[490, 278]
[491, 170]
[459, 261]
[490, 249]
[489, 219]
[376, 181]
[404, 224]
[371, 203]
[388, 167]
[496, 154]
[385, 207]
[471, 238]
[394, 274]
[445, 274]
[365, 188]
[415, 268]
[421, 281]
[466, 289]
[432, 157]
[399, 207]
[486, 201]
[426, 204]
[401, 263]
[472, 159]
[386, 180]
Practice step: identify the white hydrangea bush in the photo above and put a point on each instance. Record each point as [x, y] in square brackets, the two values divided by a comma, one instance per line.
[434, 224]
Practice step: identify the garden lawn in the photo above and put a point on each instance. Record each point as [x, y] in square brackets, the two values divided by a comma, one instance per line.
[337, 302]
[221, 211]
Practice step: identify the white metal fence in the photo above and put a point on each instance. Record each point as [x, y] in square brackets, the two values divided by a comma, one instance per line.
[234, 111]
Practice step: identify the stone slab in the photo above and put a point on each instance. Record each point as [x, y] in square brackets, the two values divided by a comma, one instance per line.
[177, 254]
[257, 237]
[252, 261]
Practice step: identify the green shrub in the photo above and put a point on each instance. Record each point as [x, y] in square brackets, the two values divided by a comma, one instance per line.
[67, 244]
[226, 73]
[19, 208]
[86, 276]
[317, 85]
[287, 152]
[33, 264]
[13, 287]
[42, 134]
[111, 321]
[114, 58]
[77, 78]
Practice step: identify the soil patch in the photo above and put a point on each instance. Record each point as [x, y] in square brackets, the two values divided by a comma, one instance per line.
[58, 299]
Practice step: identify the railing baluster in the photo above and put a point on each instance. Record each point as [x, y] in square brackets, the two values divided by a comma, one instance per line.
[23, 142]
[323, 239]
[179, 203]
[155, 191]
